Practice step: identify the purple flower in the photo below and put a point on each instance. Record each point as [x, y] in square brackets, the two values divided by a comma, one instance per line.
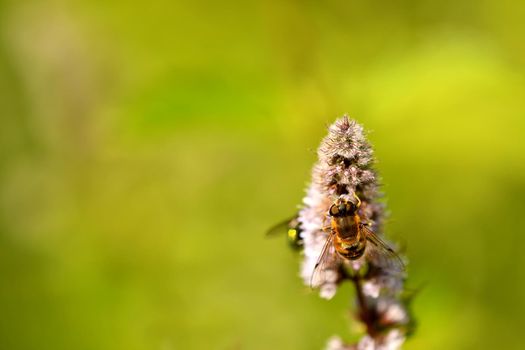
[344, 174]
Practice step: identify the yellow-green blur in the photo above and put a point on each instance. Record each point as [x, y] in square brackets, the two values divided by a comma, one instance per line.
[146, 147]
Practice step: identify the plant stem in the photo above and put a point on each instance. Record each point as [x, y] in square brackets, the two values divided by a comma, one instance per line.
[364, 312]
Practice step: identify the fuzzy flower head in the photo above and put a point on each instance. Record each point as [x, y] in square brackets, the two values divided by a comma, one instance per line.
[344, 170]
[341, 228]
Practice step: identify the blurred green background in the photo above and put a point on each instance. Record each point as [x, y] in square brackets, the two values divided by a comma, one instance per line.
[146, 147]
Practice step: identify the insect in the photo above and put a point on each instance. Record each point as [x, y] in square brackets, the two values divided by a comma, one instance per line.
[349, 238]
[293, 231]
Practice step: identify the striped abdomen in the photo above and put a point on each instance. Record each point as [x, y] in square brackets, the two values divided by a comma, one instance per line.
[349, 241]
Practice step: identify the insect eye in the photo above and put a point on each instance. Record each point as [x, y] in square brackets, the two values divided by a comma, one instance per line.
[334, 210]
[350, 208]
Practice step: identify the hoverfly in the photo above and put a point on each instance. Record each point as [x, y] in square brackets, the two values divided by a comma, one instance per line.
[293, 231]
[349, 238]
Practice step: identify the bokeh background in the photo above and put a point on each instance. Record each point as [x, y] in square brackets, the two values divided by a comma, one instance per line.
[146, 147]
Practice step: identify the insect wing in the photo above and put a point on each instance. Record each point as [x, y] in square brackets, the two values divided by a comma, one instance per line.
[283, 226]
[380, 253]
[291, 228]
[327, 257]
